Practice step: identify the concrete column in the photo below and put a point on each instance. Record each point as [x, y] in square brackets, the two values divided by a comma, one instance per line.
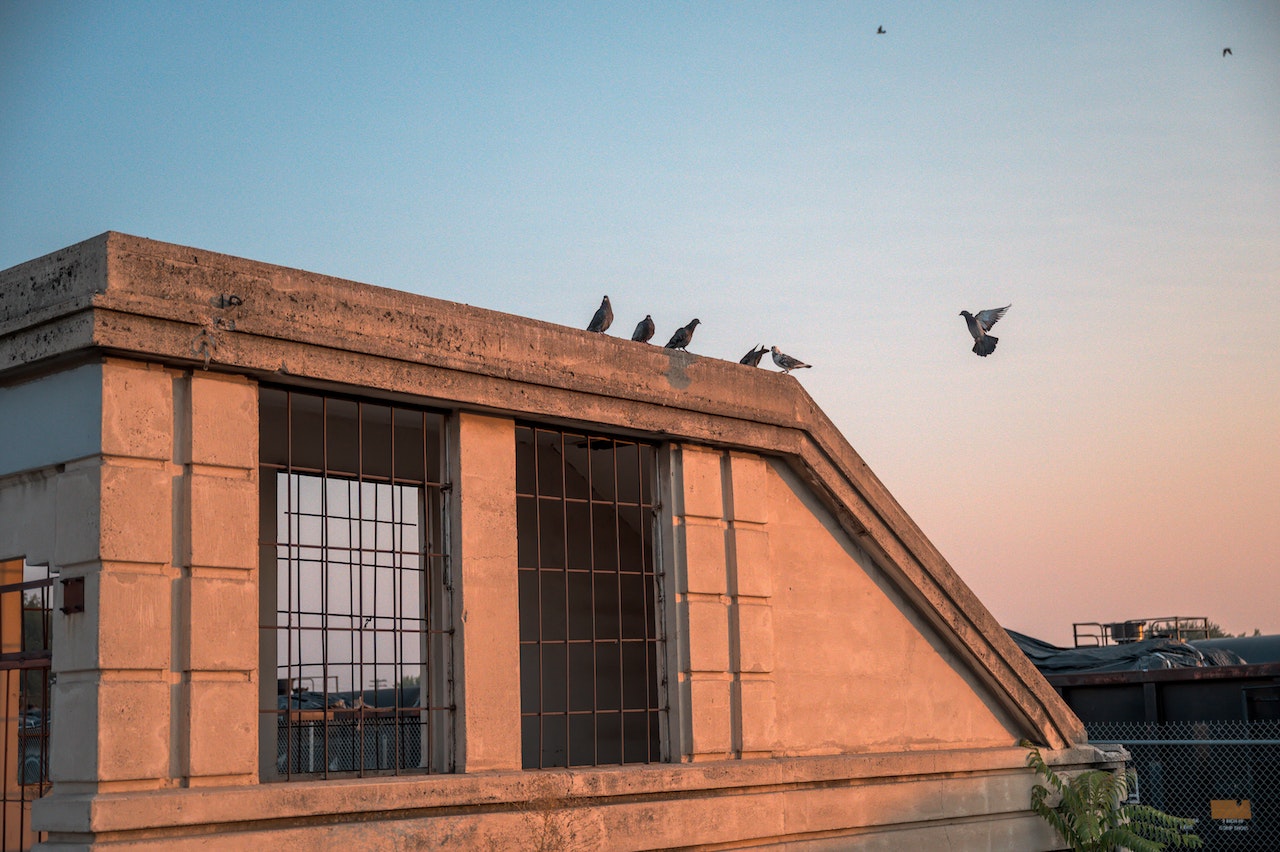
[703, 602]
[111, 699]
[217, 641]
[724, 584]
[752, 577]
[486, 592]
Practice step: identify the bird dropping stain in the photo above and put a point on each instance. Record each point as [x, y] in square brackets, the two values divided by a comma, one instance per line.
[677, 368]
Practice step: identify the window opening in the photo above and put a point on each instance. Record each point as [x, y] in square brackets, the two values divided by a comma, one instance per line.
[26, 652]
[592, 689]
[355, 587]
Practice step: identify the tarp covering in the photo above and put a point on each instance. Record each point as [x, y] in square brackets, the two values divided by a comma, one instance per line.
[1147, 655]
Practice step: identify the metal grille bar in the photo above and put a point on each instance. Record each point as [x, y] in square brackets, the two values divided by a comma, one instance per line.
[592, 691]
[353, 512]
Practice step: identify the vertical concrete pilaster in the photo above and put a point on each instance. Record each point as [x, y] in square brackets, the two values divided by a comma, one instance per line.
[216, 458]
[723, 589]
[486, 597]
[112, 661]
[703, 602]
[752, 587]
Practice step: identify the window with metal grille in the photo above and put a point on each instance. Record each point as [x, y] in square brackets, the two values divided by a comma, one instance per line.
[26, 651]
[592, 690]
[355, 586]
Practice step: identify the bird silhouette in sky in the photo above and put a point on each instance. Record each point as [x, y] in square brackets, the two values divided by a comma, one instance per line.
[786, 362]
[644, 329]
[879, 30]
[603, 318]
[1226, 51]
[752, 358]
[681, 338]
[979, 324]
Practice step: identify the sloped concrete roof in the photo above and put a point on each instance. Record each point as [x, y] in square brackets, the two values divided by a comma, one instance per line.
[119, 294]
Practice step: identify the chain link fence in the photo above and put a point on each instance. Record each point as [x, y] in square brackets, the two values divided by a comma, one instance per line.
[356, 743]
[1224, 775]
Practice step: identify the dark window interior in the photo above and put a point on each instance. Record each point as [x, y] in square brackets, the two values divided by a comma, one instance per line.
[590, 646]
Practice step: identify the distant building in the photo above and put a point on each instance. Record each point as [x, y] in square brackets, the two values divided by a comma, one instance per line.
[321, 565]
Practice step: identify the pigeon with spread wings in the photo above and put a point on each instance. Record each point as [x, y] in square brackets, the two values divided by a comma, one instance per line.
[979, 324]
[752, 358]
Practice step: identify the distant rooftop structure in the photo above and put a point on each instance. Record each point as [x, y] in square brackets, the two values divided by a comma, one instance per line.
[1181, 628]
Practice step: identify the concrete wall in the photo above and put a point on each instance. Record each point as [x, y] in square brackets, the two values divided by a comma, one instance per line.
[954, 800]
[785, 642]
[186, 308]
[793, 641]
[833, 684]
[51, 421]
[155, 680]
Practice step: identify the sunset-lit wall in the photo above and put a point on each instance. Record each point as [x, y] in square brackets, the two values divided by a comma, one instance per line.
[824, 676]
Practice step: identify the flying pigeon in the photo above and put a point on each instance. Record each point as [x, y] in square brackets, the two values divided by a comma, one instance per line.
[1226, 51]
[681, 338]
[786, 362]
[979, 324]
[603, 318]
[644, 329]
[752, 358]
[879, 30]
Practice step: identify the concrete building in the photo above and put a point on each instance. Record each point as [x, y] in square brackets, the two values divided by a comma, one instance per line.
[325, 565]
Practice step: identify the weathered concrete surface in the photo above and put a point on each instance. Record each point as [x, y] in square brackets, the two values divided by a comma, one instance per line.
[159, 679]
[156, 679]
[131, 295]
[487, 647]
[955, 800]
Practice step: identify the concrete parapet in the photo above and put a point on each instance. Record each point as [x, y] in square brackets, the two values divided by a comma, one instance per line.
[950, 799]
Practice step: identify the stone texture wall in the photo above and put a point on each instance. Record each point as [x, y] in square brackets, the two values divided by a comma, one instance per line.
[724, 586]
[158, 685]
[792, 641]
[156, 679]
[832, 682]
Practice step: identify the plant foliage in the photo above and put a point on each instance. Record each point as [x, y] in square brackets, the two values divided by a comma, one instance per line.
[1090, 817]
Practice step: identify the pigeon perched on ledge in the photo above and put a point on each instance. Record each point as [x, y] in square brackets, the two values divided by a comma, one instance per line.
[752, 358]
[979, 324]
[644, 329]
[603, 318]
[681, 338]
[786, 362]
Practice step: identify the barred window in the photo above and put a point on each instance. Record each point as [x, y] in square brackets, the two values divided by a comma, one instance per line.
[592, 691]
[355, 584]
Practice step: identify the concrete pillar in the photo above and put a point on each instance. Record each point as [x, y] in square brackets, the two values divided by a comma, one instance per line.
[752, 573]
[218, 582]
[724, 583]
[702, 598]
[156, 679]
[486, 594]
[114, 526]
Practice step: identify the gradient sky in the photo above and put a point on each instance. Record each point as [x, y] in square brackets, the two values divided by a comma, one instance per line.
[789, 177]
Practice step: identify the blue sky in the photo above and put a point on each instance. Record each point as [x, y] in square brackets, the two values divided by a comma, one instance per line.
[789, 177]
